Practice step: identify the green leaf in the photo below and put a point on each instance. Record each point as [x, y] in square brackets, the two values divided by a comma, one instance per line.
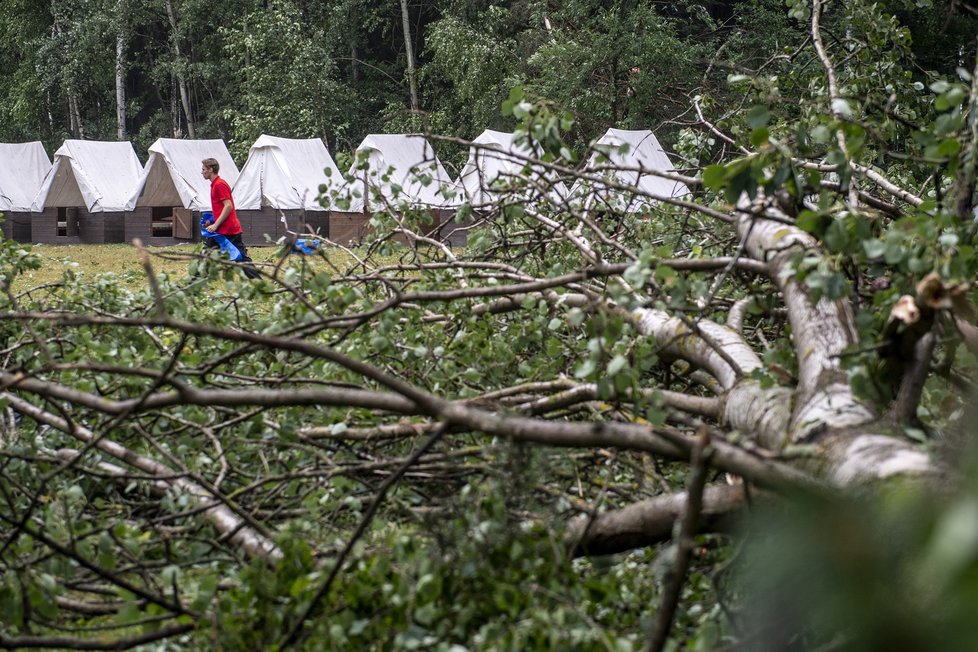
[758, 116]
[585, 369]
[759, 136]
[948, 239]
[950, 99]
[811, 222]
[836, 286]
[617, 364]
[948, 147]
[842, 107]
[874, 248]
[916, 434]
[836, 236]
[894, 253]
[715, 177]
[821, 134]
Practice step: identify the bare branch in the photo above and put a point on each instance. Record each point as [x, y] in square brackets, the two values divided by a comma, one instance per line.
[67, 643]
[224, 519]
[912, 384]
[684, 543]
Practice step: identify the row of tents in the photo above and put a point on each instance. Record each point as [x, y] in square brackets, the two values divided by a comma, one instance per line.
[99, 192]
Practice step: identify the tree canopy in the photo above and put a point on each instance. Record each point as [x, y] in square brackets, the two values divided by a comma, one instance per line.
[337, 69]
[738, 418]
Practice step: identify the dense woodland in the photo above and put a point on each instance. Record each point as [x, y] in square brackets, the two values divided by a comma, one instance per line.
[741, 419]
[146, 69]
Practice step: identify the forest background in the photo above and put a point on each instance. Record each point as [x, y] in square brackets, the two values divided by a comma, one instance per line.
[341, 69]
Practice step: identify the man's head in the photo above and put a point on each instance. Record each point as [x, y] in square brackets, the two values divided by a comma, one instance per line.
[210, 168]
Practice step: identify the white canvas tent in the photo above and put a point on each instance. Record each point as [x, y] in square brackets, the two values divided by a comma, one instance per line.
[172, 176]
[399, 172]
[95, 175]
[403, 168]
[22, 170]
[286, 173]
[281, 180]
[23, 167]
[497, 165]
[86, 189]
[171, 187]
[638, 150]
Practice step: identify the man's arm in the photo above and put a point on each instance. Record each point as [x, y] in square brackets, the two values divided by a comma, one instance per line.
[220, 218]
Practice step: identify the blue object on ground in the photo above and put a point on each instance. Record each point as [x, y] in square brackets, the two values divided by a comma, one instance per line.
[305, 246]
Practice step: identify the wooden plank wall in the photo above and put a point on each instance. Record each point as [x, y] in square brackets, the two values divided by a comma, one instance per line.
[101, 228]
[343, 228]
[256, 224]
[139, 224]
[352, 228]
[16, 226]
[315, 222]
[348, 228]
[453, 233]
[44, 228]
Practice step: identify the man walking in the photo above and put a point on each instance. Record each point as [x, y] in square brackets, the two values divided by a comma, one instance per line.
[225, 217]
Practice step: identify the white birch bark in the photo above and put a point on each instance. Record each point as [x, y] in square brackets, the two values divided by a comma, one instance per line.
[120, 82]
[762, 414]
[820, 331]
[674, 336]
[851, 446]
[409, 50]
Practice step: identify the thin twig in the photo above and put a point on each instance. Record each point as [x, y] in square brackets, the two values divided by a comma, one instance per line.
[292, 638]
[684, 543]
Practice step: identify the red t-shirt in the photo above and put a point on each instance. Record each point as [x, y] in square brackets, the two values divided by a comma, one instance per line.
[220, 190]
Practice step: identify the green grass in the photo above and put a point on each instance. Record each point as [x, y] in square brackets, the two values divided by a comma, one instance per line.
[123, 260]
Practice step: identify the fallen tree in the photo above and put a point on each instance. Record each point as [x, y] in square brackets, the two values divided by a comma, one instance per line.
[409, 448]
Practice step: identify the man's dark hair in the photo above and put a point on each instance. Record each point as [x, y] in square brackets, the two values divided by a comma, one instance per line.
[212, 164]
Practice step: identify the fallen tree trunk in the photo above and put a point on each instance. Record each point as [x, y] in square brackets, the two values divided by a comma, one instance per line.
[652, 521]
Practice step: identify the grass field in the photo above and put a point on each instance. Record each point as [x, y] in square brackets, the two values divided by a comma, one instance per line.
[120, 259]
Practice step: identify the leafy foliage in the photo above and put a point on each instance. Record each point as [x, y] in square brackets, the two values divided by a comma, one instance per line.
[410, 447]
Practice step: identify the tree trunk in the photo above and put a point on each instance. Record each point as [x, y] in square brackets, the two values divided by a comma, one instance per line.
[652, 521]
[74, 113]
[175, 130]
[409, 49]
[181, 78]
[822, 411]
[120, 80]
